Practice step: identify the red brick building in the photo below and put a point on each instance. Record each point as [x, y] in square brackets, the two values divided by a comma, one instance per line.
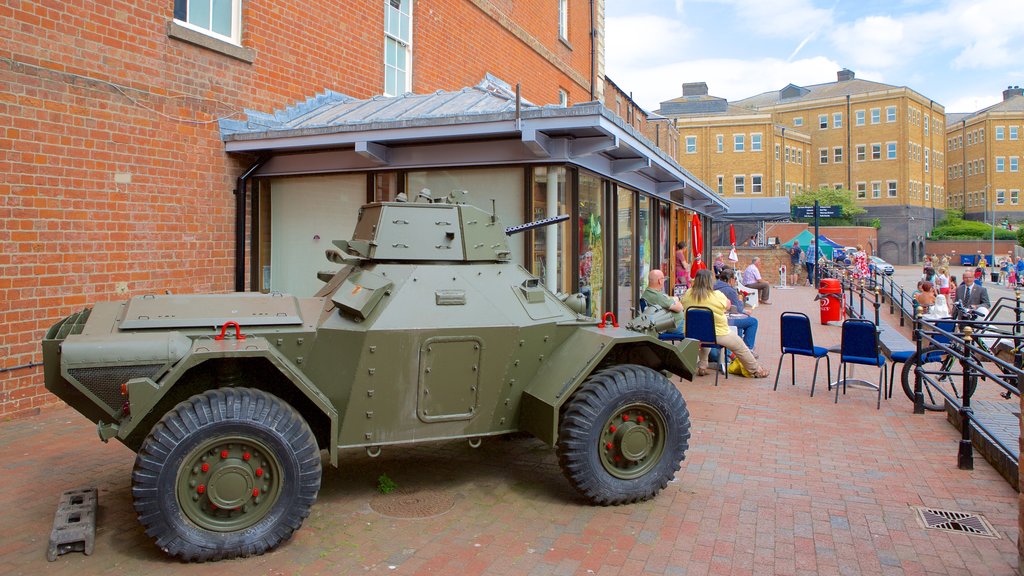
[116, 178]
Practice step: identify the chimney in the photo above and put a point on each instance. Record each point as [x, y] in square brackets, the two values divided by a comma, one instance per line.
[845, 74]
[1012, 91]
[695, 89]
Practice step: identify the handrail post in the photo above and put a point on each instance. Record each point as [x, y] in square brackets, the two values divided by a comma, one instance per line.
[965, 455]
[878, 304]
[1018, 357]
[918, 379]
[862, 296]
[892, 295]
[903, 310]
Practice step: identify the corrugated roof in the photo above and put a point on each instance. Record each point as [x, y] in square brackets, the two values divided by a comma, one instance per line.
[333, 109]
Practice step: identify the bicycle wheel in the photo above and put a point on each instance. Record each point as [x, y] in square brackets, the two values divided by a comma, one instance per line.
[942, 369]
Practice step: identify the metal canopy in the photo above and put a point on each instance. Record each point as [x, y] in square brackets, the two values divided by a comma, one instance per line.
[753, 209]
[482, 125]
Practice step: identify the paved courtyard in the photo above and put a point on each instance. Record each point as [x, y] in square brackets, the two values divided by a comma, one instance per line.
[774, 483]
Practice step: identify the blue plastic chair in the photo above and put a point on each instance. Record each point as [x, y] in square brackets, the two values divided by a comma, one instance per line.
[699, 324]
[860, 346]
[901, 356]
[798, 341]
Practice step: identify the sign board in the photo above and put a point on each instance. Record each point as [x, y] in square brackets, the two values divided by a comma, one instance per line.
[835, 211]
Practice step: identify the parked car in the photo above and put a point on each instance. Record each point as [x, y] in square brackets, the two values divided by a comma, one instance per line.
[876, 263]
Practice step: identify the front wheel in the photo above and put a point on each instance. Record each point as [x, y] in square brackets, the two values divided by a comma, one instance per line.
[623, 435]
[940, 367]
[227, 473]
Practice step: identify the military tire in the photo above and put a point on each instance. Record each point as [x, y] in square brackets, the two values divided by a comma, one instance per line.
[623, 435]
[227, 473]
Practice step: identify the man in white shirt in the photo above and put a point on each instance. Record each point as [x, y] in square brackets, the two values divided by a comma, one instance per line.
[752, 279]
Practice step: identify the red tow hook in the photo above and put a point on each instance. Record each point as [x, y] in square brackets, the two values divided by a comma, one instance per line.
[604, 320]
[224, 330]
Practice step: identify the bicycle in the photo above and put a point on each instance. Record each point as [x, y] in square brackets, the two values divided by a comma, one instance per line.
[944, 367]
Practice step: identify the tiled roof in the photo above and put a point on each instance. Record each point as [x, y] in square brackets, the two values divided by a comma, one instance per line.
[814, 92]
[1012, 104]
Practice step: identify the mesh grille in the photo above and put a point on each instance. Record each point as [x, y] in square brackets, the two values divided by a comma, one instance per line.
[958, 522]
[105, 381]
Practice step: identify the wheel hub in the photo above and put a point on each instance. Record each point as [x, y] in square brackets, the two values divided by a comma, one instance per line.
[228, 484]
[632, 442]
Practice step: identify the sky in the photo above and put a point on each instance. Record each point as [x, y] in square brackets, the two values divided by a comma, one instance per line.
[960, 53]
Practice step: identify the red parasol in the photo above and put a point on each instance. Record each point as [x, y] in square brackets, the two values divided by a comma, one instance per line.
[697, 244]
[732, 242]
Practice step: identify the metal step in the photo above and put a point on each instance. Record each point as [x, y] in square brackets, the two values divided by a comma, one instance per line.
[74, 524]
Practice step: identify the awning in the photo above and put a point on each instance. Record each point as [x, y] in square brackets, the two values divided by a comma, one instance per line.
[482, 125]
[756, 209]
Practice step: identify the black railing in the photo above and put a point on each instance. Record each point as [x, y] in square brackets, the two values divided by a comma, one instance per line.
[964, 353]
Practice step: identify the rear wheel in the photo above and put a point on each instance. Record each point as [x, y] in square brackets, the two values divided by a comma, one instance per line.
[940, 367]
[623, 435]
[227, 473]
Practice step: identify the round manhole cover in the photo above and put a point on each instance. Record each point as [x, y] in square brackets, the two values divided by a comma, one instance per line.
[412, 503]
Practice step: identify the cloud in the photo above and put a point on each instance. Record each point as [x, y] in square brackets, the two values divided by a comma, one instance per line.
[728, 78]
[972, 102]
[779, 18]
[642, 39]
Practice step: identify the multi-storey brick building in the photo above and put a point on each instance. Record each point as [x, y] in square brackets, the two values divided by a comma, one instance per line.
[132, 161]
[886, 143]
[985, 149]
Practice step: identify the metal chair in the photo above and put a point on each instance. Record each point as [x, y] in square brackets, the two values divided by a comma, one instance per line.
[798, 341]
[699, 324]
[668, 336]
[860, 346]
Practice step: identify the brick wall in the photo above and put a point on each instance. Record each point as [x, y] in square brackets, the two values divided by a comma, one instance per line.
[115, 181]
[771, 258]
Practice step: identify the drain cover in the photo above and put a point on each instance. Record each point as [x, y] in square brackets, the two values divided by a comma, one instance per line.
[957, 522]
[412, 503]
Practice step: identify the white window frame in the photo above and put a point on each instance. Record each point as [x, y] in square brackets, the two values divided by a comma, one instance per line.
[837, 155]
[837, 119]
[721, 184]
[876, 190]
[778, 152]
[755, 141]
[927, 187]
[890, 113]
[927, 160]
[822, 121]
[1014, 195]
[891, 188]
[233, 37]
[859, 117]
[876, 115]
[862, 152]
[1013, 132]
[799, 155]
[563, 20]
[926, 126]
[721, 142]
[1014, 162]
[739, 184]
[822, 155]
[890, 150]
[404, 44]
[1000, 133]
[691, 144]
[876, 151]
[756, 184]
[1000, 163]
[798, 121]
[739, 142]
[862, 190]
[1000, 196]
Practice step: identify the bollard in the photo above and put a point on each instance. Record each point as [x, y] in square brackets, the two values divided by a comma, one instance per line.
[918, 379]
[878, 304]
[965, 455]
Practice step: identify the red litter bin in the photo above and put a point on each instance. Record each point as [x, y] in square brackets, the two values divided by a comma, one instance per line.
[830, 299]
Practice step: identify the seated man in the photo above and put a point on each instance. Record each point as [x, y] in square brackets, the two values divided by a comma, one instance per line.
[752, 279]
[655, 295]
[746, 325]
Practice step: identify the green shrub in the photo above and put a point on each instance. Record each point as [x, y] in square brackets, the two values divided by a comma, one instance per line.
[969, 230]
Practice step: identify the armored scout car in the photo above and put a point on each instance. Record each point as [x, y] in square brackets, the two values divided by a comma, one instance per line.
[428, 331]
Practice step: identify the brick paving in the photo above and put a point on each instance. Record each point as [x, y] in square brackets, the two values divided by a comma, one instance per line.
[775, 483]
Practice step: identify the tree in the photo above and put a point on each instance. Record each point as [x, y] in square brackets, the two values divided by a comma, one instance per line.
[830, 197]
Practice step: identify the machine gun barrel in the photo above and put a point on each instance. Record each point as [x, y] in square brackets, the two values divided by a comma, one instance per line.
[536, 224]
